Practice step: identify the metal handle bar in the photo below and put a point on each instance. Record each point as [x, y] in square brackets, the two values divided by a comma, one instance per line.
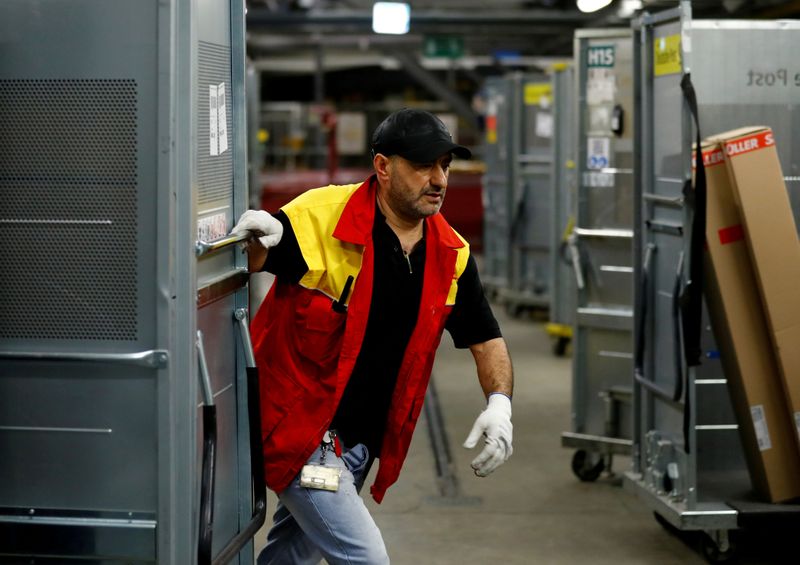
[209, 464]
[583, 232]
[575, 256]
[153, 358]
[205, 378]
[249, 356]
[234, 546]
[206, 247]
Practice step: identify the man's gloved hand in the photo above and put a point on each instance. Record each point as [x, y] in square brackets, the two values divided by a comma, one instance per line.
[261, 225]
[494, 423]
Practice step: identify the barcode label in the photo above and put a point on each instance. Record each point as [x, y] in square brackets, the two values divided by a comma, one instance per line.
[213, 119]
[760, 424]
[212, 227]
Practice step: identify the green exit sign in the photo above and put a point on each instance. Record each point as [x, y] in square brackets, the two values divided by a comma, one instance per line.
[451, 46]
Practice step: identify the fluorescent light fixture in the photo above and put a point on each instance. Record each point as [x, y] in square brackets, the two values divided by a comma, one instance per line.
[592, 5]
[391, 17]
[628, 7]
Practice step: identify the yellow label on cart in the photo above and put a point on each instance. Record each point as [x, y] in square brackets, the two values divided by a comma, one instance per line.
[536, 91]
[667, 55]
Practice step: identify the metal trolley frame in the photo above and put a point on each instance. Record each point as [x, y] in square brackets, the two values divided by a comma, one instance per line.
[688, 463]
[128, 396]
[601, 251]
[517, 197]
[564, 181]
[530, 210]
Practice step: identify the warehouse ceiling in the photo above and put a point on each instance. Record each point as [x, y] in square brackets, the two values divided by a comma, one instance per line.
[315, 50]
[499, 30]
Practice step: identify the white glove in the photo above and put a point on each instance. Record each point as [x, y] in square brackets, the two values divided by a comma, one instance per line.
[261, 225]
[494, 423]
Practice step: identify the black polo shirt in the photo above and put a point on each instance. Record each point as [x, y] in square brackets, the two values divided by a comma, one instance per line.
[397, 289]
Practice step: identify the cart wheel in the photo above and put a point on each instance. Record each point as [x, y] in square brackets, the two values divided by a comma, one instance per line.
[714, 554]
[586, 467]
[560, 346]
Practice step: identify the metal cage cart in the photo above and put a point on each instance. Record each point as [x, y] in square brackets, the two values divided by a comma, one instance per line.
[531, 211]
[517, 206]
[128, 393]
[601, 251]
[496, 180]
[563, 186]
[688, 462]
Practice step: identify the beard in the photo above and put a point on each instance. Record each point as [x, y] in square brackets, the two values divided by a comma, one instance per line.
[415, 204]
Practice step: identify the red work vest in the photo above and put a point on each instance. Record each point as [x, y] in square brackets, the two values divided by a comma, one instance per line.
[306, 350]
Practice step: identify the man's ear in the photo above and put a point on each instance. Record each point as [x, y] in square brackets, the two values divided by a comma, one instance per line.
[382, 164]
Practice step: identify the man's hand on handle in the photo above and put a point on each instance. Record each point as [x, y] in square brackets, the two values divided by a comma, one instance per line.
[494, 425]
[261, 225]
[265, 232]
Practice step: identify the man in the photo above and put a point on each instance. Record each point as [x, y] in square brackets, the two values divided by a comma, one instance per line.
[367, 278]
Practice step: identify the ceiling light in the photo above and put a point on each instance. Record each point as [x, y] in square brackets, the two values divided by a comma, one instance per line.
[391, 17]
[628, 7]
[592, 5]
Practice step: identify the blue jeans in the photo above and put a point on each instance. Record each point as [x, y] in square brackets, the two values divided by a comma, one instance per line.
[310, 524]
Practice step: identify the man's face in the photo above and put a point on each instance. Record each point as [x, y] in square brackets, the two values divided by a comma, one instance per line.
[416, 190]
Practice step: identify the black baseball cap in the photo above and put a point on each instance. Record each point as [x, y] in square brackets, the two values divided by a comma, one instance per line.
[416, 135]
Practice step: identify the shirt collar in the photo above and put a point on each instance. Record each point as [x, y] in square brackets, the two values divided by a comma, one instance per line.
[358, 217]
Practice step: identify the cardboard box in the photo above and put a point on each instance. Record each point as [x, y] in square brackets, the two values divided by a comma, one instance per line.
[771, 235]
[742, 334]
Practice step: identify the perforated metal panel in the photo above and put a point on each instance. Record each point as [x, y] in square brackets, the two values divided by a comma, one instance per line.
[214, 172]
[100, 455]
[68, 208]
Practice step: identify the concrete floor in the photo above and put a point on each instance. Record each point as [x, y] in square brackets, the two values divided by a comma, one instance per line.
[532, 510]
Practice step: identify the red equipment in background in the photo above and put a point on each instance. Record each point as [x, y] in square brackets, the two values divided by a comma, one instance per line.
[463, 204]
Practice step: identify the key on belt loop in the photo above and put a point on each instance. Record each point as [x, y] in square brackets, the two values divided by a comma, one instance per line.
[331, 439]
